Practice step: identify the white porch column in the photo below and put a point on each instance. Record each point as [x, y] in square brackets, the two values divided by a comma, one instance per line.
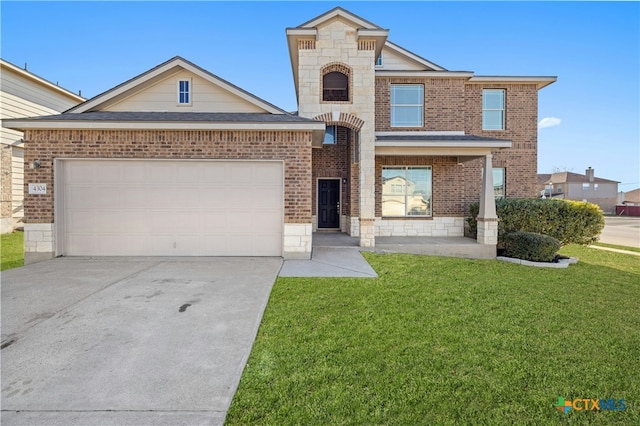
[367, 186]
[487, 218]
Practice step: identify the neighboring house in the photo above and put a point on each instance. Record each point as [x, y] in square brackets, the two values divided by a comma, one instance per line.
[22, 94]
[632, 198]
[178, 161]
[630, 206]
[574, 186]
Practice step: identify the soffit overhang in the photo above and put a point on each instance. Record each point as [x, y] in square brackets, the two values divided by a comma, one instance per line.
[446, 144]
[539, 81]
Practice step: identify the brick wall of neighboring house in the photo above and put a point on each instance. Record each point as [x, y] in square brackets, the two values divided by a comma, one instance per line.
[6, 185]
[444, 102]
[521, 127]
[292, 147]
[333, 161]
[447, 183]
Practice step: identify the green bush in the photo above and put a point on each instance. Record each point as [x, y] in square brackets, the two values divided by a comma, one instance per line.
[531, 246]
[570, 222]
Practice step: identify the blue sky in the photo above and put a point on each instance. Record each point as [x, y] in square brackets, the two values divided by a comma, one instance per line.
[593, 47]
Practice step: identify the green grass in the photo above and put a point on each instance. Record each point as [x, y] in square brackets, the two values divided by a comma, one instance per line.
[627, 248]
[11, 250]
[448, 341]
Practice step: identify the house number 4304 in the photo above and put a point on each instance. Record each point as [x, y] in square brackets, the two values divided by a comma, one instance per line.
[37, 188]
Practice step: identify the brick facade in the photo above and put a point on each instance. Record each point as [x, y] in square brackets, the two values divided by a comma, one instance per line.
[444, 103]
[292, 147]
[447, 183]
[521, 127]
[333, 161]
[452, 105]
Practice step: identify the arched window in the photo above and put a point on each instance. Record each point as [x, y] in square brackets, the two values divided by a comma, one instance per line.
[335, 87]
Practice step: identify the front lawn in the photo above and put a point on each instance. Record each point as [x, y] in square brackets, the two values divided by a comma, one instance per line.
[11, 250]
[448, 341]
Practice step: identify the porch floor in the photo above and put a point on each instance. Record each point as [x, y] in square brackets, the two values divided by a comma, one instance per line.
[431, 246]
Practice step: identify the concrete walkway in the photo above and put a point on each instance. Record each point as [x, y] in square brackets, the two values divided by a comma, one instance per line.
[330, 262]
[129, 341]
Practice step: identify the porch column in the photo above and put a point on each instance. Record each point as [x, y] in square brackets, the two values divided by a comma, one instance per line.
[367, 187]
[487, 218]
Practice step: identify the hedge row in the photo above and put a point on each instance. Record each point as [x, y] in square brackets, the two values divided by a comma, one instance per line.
[570, 222]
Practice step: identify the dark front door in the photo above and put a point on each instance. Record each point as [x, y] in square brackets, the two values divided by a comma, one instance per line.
[328, 203]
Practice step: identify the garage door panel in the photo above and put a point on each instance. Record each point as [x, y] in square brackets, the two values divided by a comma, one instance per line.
[107, 174]
[85, 194]
[82, 174]
[173, 208]
[264, 175]
[263, 197]
[187, 173]
[134, 172]
[160, 172]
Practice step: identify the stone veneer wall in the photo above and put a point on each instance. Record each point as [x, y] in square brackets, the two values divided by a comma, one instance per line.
[291, 146]
[436, 227]
[337, 43]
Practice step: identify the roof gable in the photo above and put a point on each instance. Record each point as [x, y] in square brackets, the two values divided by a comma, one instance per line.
[344, 15]
[397, 58]
[155, 90]
[570, 177]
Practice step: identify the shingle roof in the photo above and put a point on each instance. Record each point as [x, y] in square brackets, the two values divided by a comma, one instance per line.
[239, 117]
[543, 178]
[570, 177]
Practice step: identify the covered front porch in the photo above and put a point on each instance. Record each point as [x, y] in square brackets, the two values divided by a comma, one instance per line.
[431, 246]
[455, 149]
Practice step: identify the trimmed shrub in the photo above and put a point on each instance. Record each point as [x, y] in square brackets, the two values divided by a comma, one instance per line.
[530, 246]
[570, 222]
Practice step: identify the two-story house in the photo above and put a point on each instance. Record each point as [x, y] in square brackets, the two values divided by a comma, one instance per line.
[577, 187]
[178, 161]
[22, 94]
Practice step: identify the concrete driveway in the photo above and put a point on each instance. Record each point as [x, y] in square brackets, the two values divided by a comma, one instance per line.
[129, 341]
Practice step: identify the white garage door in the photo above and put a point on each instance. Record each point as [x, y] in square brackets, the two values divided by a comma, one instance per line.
[172, 208]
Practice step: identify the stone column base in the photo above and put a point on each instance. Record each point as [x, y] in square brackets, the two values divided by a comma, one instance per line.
[297, 240]
[367, 232]
[38, 242]
[488, 231]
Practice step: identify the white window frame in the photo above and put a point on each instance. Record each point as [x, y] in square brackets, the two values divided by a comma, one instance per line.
[502, 110]
[189, 92]
[406, 196]
[504, 183]
[392, 105]
[334, 132]
[379, 59]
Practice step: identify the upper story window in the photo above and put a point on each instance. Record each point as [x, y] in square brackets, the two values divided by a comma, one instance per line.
[335, 87]
[493, 109]
[184, 92]
[407, 105]
[379, 61]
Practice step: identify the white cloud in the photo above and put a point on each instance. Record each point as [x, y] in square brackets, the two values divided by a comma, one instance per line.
[549, 122]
